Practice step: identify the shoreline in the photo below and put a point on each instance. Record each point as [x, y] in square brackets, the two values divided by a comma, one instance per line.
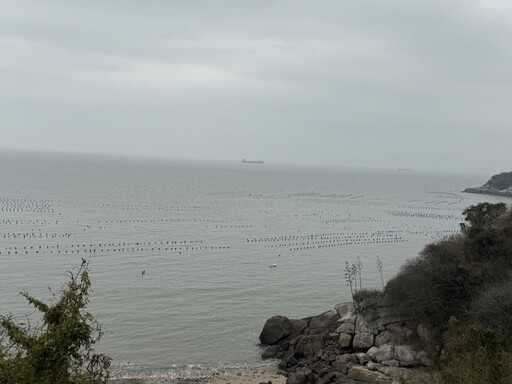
[491, 192]
[255, 375]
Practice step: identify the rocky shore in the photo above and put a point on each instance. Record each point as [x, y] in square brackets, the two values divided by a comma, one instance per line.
[258, 375]
[349, 345]
[499, 185]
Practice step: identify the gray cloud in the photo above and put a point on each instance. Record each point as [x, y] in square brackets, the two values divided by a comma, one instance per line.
[421, 84]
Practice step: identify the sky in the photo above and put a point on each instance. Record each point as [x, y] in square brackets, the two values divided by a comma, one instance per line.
[390, 84]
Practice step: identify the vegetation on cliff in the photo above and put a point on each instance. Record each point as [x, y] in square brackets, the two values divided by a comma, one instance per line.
[461, 288]
[60, 349]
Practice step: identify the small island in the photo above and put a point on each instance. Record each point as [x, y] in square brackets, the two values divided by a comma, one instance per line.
[500, 185]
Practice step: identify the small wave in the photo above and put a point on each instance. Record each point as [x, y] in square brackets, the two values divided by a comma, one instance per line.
[188, 371]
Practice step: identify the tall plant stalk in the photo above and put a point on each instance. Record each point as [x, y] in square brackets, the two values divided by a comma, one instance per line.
[379, 267]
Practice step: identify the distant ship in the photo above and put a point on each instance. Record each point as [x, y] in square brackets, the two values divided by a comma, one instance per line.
[252, 161]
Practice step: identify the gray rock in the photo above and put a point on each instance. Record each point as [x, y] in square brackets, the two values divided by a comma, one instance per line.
[382, 353]
[405, 355]
[352, 357]
[364, 324]
[391, 363]
[363, 340]
[342, 365]
[363, 374]
[296, 377]
[275, 329]
[410, 376]
[362, 358]
[345, 309]
[373, 366]
[345, 340]
[299, 327]
[288, 359]
[385, 321]
[382, 338]
[325, 320]
[309, 345]
[391, 371]
[327, 378]
[347, 319]
[346, 328]
[270, 352]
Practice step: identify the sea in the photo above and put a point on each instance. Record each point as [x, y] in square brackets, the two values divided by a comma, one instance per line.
[188, 259]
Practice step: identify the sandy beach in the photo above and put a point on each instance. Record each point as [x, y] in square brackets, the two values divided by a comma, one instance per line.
[256, 375]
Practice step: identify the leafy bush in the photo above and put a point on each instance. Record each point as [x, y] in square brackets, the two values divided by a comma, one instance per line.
[447, 276]
[493, 306]
[469, 277]
[60, 350]
[367, 298]
[483, 216]
[433, 286]
[476, 355]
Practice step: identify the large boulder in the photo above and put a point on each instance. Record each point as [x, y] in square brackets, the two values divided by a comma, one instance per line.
[275, 329]
[323, 322]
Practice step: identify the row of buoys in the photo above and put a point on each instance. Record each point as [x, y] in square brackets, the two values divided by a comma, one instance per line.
[148, 207]
[357, 202]
[427, 208]
[323, 236]
[169, 245]
[341, 244]
[118, 250]
[176, 220]
[26, 205]
[424, 215]
[28, 222]
[332, 239]
[19, 209]
[234, 226]
[351, 220]
[35, 235]
[138, 243]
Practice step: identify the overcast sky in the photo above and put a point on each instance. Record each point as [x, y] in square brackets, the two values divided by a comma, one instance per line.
[397, 83]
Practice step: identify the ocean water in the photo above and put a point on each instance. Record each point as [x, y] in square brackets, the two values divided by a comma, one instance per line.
[207, 236]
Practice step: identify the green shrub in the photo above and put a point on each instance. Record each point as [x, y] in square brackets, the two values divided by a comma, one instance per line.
[493, 306]
[60, 350]
[367, 298]
[476, 355]
[447, 276]
[433, 286]
[482, 217]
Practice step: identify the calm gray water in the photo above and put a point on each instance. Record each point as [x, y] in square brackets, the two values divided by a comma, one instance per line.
[206, 234]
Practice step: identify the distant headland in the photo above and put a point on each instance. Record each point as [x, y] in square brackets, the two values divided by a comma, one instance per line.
[500, 185]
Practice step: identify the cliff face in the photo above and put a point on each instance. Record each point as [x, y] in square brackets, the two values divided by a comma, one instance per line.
[500, 185]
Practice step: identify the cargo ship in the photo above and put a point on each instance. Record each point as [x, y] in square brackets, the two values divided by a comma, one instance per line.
[252, 161]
